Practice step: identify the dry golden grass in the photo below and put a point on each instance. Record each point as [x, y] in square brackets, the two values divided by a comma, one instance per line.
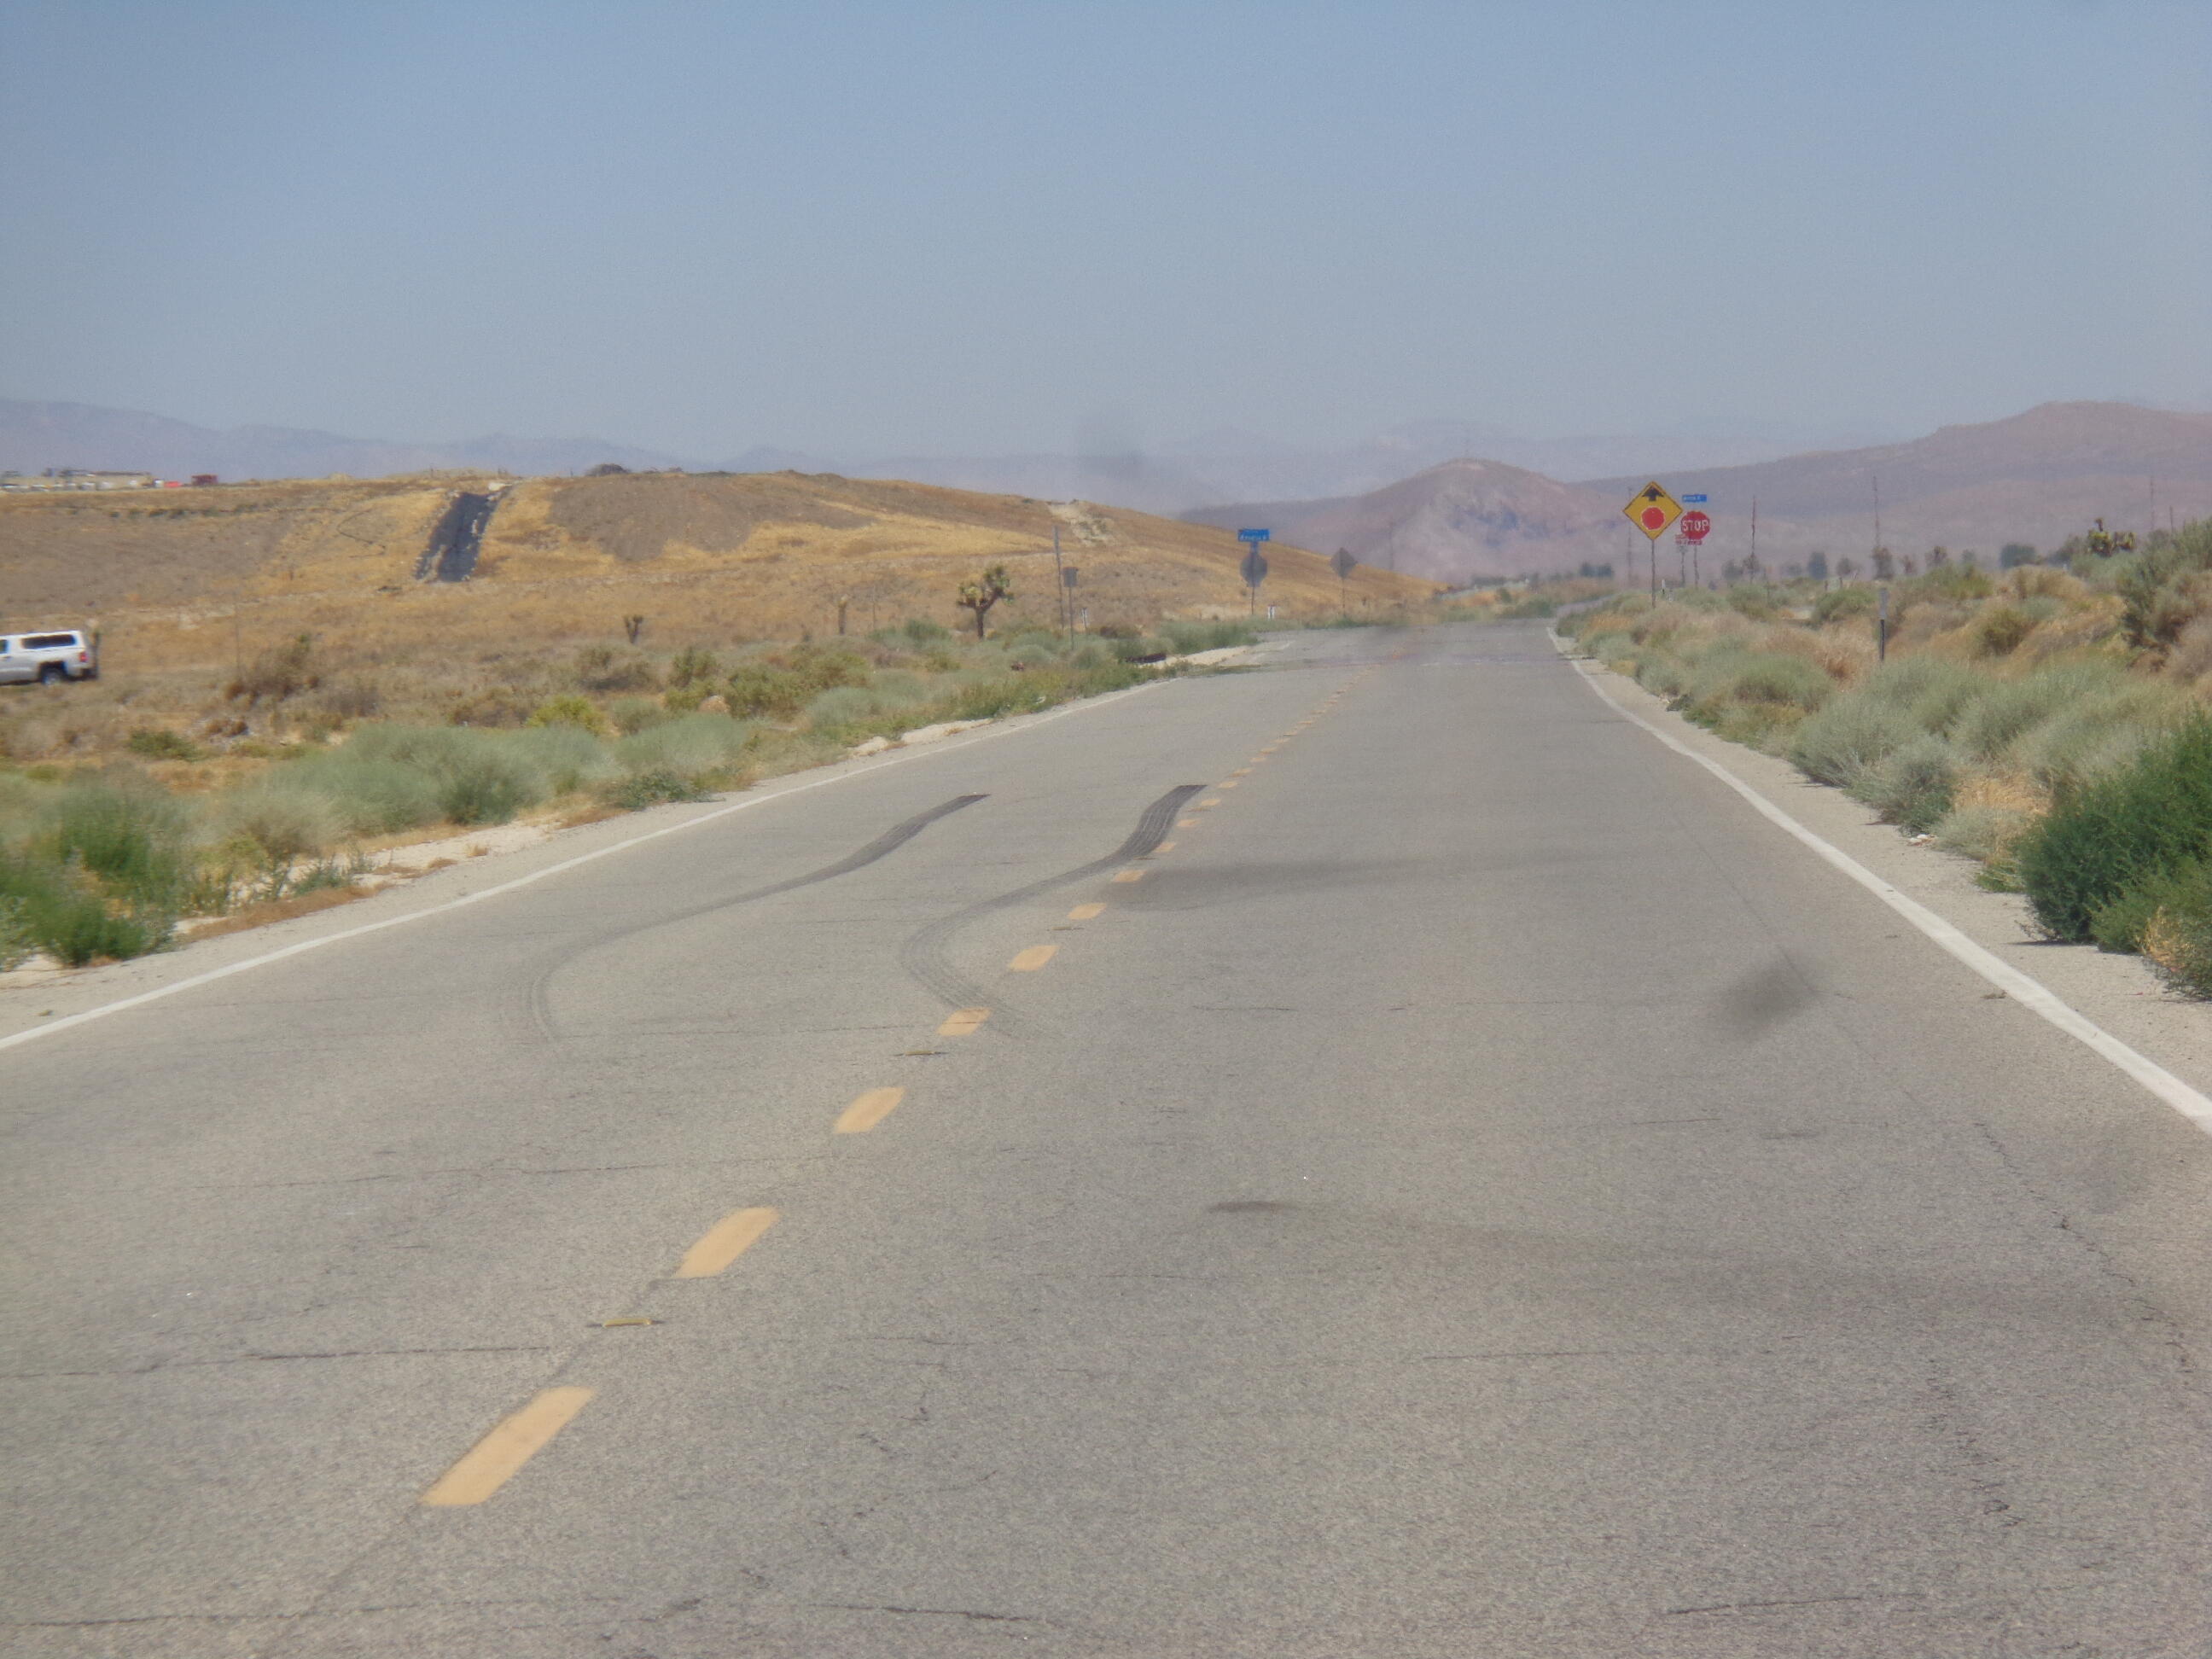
[189, 581]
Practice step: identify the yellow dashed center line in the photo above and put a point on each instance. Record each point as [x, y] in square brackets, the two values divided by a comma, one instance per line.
[495, 1459]
[963, 1023]
[1084, 912]
[1164, 846]
[1028, 961]
[1226, 783]
[870, 1109]
[1185, 823]
[1211, 800]
[725, 1242]
[1129, 875]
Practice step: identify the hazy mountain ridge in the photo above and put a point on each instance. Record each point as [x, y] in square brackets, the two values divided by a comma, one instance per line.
[37, 435]
[1226, 465]
[2036, 477]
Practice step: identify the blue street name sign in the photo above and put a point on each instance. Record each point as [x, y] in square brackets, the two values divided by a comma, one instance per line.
[1254, 535]
[1693, 500]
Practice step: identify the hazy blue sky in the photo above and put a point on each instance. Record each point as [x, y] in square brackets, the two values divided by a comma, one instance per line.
[944, 228]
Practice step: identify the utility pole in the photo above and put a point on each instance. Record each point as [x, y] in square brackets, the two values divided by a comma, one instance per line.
[1060, 586]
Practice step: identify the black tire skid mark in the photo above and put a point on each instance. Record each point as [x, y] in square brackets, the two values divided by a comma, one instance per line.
[890, 842]
[926, 956]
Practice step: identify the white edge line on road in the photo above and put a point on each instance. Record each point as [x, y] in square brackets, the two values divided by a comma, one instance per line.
[2029, 993]
[942, 748]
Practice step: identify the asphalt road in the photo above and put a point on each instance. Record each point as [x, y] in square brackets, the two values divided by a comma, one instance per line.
[456, 539]
[1478, 1191]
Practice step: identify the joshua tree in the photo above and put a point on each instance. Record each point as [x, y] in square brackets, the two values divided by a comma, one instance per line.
[986, 591]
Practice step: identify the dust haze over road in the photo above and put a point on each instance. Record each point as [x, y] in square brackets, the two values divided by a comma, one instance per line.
[1461, 1183]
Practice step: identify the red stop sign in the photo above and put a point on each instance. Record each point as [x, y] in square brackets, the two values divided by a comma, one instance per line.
[1695, 527]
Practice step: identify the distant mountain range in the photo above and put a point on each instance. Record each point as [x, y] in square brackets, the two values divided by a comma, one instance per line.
[1225, 466]
[2037, 477]
[1435, 498]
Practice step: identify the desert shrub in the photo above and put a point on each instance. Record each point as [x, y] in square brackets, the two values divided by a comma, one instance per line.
[159, 743]
[565, 758]
[17, 944]
[276, 675]
[570, 710]
[133, 842]
[694, 666]
[490, 793]
[477, 777]
[72, 924]
[1913, 784]
[283, 822]
[1187, 637]
[693, 746]
[1852, 733]
[1982, 830]
[1842, 604]
[2177, 935]
[603, 668]
[1000, 695]
[2106, 724]
[497, 707]
[760, 689]
[349, 700]
[1661, 673]
[922, 631]
[653, 787]
[365, 794]
[1997, 629]
[2007, 710]
[2150, 816]
[2164, 587]
[634, 714]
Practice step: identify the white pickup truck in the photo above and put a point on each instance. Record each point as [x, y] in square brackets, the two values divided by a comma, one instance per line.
[67, 654]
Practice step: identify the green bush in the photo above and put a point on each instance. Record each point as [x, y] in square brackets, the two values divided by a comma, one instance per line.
[489, 794]
[568, 710]
[760, 689]
[694, 666]
[655, 788]
[2149, 818]
[1852, 733]
[159, 743]
[2177, 936]
[16, 942]
[694, 746]
[1187, 637]
[366, 794]
[2007, 710]
[1842, 604]
[1913, 784]
[133, 843]
[1999, 629]
[70, 924]
[283, 822]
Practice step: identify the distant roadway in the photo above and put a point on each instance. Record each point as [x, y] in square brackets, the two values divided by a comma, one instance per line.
[1457, 1184]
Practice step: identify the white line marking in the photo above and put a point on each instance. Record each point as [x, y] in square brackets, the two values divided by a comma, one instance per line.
[948, 747]
[2030, 993]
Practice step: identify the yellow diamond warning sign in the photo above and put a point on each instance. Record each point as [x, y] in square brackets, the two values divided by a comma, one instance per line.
[1652, 509]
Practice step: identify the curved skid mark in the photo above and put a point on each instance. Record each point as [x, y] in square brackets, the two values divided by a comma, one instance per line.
[890, 841]
[925, 956]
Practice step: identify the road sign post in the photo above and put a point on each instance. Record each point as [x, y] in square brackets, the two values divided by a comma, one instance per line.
[1651, 510]
[1254, 567]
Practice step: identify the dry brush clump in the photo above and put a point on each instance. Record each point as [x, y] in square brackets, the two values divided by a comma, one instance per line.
[2050, 724]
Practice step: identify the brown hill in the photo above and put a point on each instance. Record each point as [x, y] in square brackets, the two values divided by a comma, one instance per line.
[705, 559]
[1454, 522]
